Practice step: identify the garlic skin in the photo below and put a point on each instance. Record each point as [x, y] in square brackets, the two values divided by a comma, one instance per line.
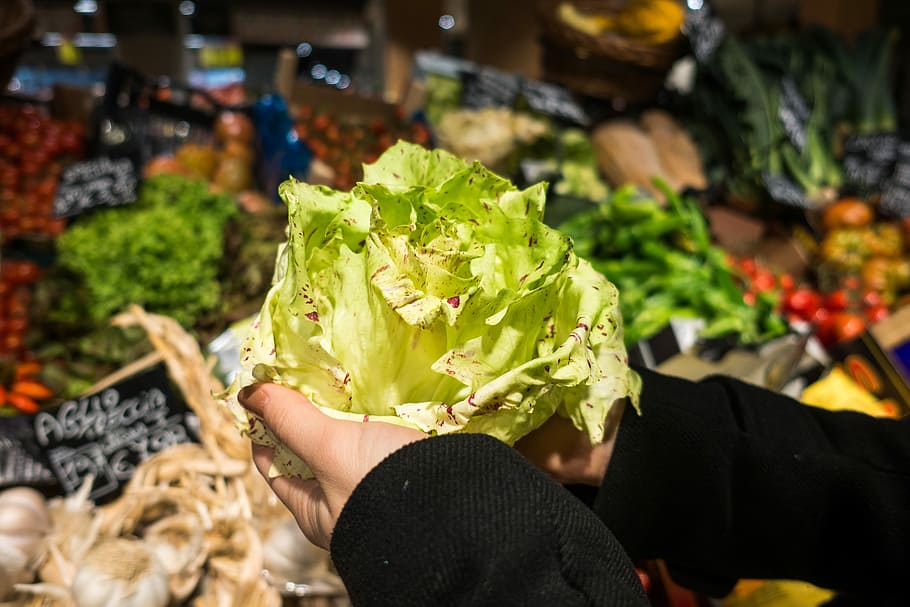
[289, 555]
[121, 573]
[13, 569]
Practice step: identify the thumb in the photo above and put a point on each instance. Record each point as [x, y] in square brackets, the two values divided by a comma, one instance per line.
[292, 418]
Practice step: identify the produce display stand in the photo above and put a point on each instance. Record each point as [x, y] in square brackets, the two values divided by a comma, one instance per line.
[781, 255]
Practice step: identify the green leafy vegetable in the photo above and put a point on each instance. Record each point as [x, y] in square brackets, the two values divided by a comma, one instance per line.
[432, 295]
[162, 252]
[665, 266]
[580, 172]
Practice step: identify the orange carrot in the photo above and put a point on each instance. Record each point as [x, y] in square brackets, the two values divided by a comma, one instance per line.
[32, 389]
[27, 369]
[22, 402]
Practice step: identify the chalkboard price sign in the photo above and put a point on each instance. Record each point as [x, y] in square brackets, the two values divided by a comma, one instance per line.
[783, 190]
[100, 182]
[108, 433]
[21, 461]
[555, 101]
[488, 87]
[869, 159]
[896, 194]
[705, 31]
[793, 112]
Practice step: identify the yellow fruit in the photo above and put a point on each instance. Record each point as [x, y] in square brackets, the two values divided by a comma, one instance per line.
[648, 21]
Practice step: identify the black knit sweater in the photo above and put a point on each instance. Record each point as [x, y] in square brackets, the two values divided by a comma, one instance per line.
[721, 479]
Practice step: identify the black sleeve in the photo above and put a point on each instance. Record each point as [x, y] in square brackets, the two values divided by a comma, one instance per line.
[465, 520]
[725, 480]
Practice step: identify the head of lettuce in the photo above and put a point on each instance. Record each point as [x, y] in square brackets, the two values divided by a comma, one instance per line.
[432, 295]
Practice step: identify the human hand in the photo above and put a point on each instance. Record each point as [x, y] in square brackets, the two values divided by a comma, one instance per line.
[340, 454]
[566, 453]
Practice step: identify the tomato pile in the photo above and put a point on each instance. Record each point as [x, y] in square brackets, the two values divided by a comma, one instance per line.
[857, 246]
[862, 274]
[33, 148]
[345, 146]
[17, 278]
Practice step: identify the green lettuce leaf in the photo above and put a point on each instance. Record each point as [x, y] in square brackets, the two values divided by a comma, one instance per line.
[432, 295]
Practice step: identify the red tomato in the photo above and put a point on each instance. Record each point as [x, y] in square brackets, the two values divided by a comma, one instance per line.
[748, 265]
[803, 302]
[877, 313]
[847, 326]
[872, 299]
[764, 280]
[786, 282]
[19, 271]
[837, 301]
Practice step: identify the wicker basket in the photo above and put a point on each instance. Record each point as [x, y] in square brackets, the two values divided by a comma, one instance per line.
[607, 65]
[17, 21]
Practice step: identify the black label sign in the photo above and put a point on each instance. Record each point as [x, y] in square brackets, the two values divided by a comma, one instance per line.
[704, 30]
[783, 190]
[108, 433]
[555, 101]
[869, 159]
[21, 462]
[896, 194]
[487, 87]
[793, 112]
[100, 182]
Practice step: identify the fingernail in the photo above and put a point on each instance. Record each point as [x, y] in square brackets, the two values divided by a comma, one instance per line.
[253, 397]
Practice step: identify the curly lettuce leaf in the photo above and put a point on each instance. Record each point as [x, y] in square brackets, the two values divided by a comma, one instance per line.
[432, 295]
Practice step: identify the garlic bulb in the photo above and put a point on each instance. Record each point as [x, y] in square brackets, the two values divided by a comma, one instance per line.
[289, 555]
[24, 523]
[120, 573]
[178, 543]
[24, 519]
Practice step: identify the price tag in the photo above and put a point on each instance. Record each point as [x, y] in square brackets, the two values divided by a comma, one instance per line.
[108, 433]
[895, 198]
[100, 182]
[228, 55]
[704, 30]
[793, 112]
[869, 159]
[488, 87]
[555, 101]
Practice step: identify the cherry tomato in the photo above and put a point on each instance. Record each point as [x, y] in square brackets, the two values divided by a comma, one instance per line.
[872, 299]
[802, 302]
[837, 301]
[876, 313]
[748, 266]
[848, 326]
[786, 282]
[763, 280]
